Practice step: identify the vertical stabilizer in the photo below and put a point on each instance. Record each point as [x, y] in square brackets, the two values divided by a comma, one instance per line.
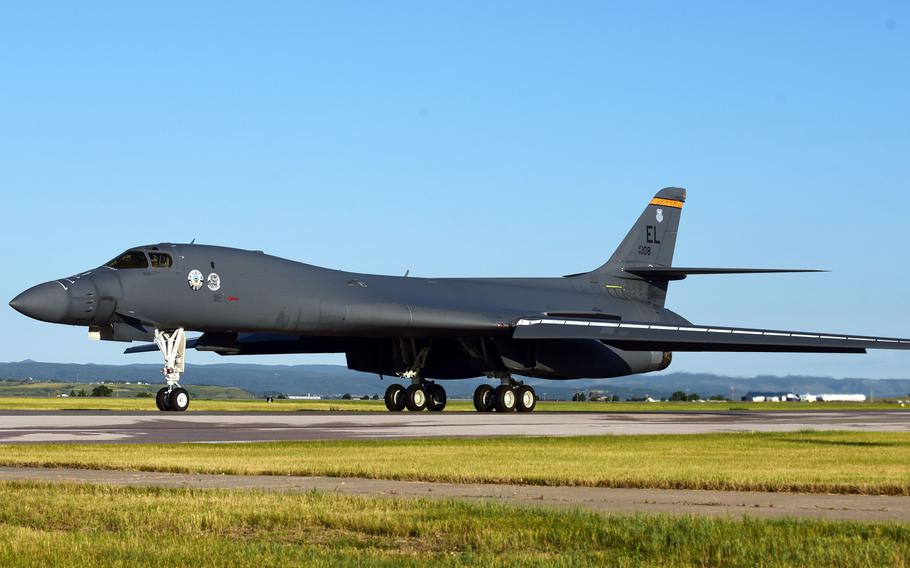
[650, 242]
[652, 239]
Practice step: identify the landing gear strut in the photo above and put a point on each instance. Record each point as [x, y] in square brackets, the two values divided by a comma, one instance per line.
[509, 396]
[172, 344]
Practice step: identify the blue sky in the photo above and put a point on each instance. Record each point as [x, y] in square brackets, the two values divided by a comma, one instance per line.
[470, 138]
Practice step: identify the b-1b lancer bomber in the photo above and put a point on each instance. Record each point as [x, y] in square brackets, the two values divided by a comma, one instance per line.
[608, 322]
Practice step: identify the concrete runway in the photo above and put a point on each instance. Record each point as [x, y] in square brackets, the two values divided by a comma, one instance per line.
[167, 427]
[603, 500]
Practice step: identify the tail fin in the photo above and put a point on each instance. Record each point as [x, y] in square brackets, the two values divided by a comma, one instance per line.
[642, 265]
[652, 239]
[650, 242]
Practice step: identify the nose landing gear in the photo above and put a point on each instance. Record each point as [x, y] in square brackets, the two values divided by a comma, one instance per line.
[172, 344]
[177, 399]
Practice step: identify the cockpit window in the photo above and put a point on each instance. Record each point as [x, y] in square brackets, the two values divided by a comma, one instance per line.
[160, 260]
[129, 259]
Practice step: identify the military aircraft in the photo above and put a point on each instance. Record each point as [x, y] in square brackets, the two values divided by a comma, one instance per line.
[608, 322]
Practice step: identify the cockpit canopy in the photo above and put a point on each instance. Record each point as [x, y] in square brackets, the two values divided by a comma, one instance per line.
[132, 259]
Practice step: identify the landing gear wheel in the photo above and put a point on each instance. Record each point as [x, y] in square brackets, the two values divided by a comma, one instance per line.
[436, 398]
[161, 400]
[526, 399]
[179, 400]
[505, 398]
[415, 398]
[484, 401]
[394, 398]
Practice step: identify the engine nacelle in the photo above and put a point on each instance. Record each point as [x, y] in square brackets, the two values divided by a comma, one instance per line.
[577, 359]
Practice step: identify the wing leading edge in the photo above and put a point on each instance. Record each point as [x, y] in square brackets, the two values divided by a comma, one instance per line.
[644, 336]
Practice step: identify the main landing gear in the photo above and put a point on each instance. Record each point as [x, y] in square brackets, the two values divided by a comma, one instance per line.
[507, 397]
[422, 394]
[419, 396]
[172, 344]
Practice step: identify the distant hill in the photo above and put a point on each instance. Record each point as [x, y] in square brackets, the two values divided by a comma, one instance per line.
[329, 380]
[317, 379]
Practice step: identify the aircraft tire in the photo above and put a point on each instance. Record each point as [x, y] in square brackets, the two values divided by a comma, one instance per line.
[394, 398]
[415, 398]
[161, 400]
[525, 399]
[483, 398]
[436, 398]
[505, 398]
[178, 400]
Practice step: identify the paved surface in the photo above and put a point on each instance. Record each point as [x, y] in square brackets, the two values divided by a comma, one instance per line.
[167, 427]
[730, 503]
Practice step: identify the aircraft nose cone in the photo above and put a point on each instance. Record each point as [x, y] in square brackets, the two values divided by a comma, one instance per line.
[46, 302]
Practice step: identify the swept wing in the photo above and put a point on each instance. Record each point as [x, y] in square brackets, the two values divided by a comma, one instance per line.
[645, 336]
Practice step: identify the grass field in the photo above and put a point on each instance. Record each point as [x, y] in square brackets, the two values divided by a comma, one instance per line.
[259, 405]
[812, 462]
[67, 525]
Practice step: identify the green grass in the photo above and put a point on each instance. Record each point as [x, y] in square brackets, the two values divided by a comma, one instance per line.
[258, 405]
[813, 462]
[66, 525]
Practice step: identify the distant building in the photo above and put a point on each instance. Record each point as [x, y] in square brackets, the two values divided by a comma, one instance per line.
[770, 397]
[304, 397]
[833, 397]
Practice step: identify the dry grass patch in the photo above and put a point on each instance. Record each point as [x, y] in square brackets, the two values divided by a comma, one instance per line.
[816, 462]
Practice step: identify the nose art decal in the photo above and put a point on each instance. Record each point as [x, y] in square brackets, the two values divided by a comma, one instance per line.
[195, 279]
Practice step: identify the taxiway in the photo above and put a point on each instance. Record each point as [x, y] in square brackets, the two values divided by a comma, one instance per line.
[169, 427]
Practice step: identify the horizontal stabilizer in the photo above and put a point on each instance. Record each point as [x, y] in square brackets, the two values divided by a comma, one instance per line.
[679, 273]
[644, 336]
[144, 348]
